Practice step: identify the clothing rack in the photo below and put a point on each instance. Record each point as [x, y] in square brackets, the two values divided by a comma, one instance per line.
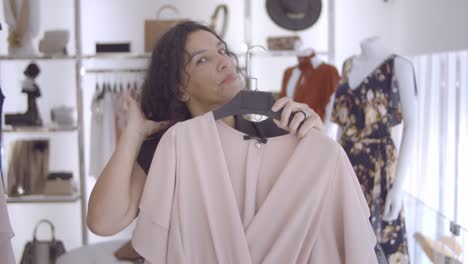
[122, 70]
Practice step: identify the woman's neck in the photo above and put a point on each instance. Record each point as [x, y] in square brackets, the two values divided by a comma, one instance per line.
[230, 121]
[195, 111]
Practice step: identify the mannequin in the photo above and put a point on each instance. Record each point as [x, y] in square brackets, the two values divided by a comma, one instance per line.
[311, 81]
[376, 93]
[303, 55]
[316, 61]
[373, 53]
[22, 30]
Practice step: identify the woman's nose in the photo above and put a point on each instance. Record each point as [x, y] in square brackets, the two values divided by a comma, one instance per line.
[224, 62]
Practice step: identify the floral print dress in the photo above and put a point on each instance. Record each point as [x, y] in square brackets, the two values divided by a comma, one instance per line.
[366, 115]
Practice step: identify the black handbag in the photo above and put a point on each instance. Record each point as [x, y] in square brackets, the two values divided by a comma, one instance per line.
[42, 251]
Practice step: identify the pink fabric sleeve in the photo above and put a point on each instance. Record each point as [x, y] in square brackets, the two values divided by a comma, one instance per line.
[150, 236]
[346, 233]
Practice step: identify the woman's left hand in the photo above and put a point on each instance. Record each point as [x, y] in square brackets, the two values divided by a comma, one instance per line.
[301, 113]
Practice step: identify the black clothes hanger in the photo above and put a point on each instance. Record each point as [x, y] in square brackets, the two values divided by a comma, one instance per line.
[100, 96]
[249, 102]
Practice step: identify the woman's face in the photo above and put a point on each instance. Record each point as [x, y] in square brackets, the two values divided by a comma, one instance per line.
[210, 78]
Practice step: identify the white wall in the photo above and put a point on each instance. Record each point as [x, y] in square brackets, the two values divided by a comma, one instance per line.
[430, 26]
[408, 27]
[359, 19]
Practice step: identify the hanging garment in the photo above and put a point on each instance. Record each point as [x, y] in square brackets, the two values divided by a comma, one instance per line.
[312, 86]
[367, 114]
[6, 232]
[300, 206]
[28, 167]
[102, 132]
[121, 109]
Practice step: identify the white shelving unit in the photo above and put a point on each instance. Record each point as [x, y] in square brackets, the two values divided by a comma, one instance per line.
[49, 130]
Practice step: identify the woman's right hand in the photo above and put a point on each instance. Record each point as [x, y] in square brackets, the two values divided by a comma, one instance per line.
[138, 123]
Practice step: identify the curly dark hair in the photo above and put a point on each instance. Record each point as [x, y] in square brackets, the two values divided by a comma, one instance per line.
[162, 87]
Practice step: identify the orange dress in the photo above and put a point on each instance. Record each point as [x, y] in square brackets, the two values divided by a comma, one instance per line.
[314, 87]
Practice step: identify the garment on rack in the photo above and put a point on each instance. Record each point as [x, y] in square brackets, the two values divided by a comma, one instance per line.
[121, 109]
[28, 167]
[6, 232]
[103, 140]
[213, 197]
[309, 85]
[367, 113]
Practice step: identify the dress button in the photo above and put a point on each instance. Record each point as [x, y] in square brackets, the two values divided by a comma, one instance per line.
[258, 145]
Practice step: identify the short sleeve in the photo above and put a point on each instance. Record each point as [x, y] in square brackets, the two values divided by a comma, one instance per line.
[395, 115]
[150, 236]
[339, 110]
[148, 148]
[346, 232]
[335, 109]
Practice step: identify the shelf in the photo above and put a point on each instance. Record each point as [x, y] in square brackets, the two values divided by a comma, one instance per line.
[103, 56]
[40, 198]
[115, 70]
[280, 53]
[41, 129]
[120, 56]
[37, 57]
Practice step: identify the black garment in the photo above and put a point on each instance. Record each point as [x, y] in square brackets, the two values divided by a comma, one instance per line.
[257, 131]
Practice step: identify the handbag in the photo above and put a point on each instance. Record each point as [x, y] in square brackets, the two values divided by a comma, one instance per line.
[155, 28]
[42, 251]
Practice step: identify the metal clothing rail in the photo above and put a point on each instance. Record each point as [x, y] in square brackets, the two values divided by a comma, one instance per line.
[85, 71]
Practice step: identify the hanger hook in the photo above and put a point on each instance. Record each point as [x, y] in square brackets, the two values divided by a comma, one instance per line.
[247, 66]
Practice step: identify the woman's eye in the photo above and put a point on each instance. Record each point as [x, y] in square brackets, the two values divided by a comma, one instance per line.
[201, 60]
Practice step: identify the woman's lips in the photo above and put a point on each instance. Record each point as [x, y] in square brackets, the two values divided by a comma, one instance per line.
[229, 78]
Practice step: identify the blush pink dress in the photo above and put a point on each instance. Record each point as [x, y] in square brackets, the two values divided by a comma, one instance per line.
[212, 196]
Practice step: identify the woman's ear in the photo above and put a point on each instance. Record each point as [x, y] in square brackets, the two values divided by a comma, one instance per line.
[184, 97]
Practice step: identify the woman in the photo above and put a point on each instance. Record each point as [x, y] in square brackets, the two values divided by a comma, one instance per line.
[192, 72]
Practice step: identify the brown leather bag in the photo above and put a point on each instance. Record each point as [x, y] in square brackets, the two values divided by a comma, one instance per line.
[42, 251]
[155, 28]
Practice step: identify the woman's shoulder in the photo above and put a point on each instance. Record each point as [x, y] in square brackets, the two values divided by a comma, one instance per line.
[147, 150]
